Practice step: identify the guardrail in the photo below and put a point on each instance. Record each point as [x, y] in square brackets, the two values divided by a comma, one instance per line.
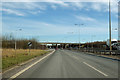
[102, 52]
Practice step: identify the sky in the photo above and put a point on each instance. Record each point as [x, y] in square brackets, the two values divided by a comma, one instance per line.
[55, 21]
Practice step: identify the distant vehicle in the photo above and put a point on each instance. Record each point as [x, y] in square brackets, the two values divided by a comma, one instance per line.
[61, 48]
[75, 48]
[56, 48]
[113, 44]
[116, 46]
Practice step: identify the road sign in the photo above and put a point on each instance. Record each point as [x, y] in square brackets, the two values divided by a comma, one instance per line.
[29, 44]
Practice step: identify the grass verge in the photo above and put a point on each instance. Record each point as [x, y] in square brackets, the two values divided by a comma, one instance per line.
[10, 57]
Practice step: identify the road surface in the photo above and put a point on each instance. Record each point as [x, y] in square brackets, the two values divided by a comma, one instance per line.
[71, 64]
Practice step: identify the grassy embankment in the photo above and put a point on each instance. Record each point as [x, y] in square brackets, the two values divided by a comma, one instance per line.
[11, 58]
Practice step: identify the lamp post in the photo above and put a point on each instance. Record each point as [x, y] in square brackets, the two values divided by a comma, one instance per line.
[70, 33]
[92, 42]
[115, 29]
[15, 40]
[110, 26]
[79, 33]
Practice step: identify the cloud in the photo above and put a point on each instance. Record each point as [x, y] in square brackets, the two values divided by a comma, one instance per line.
[53, 6]
[58, 3]
[84, 18]
[21, 9]
[114, 7]
[35, 12]
[56, 0]
[63, 4]
[9, 11]
[103, 6]
[32, 7]
[96, 6]
[77, 5]
[24, 6]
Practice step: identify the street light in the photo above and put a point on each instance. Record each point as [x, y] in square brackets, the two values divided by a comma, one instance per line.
[70, 33]
[15, 40]
[79, 32]
[110, 26]
[92, 42]
[115, 29]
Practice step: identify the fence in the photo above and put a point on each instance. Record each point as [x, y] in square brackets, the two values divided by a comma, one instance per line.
[101, 52]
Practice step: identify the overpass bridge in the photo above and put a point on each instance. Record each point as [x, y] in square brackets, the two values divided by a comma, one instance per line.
[60, 45]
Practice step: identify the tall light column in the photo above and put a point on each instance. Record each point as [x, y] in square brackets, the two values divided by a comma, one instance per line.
[15, 40]
[119, 21]
[79, 33]
[110, 26]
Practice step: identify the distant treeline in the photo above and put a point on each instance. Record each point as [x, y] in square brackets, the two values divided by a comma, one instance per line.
[8, 41]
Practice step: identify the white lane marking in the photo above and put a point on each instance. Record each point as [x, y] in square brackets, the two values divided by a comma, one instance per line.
[95, 69]
[20, 72]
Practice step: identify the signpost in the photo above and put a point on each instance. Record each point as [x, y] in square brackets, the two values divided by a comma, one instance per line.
[29, 44]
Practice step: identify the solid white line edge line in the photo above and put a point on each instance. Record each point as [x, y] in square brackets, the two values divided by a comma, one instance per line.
[20, 72]
[95, 69]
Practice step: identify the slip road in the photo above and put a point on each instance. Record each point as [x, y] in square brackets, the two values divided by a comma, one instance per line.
[71, 64]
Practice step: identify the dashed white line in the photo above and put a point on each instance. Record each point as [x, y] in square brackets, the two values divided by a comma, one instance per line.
[95, 69]
[20, 72]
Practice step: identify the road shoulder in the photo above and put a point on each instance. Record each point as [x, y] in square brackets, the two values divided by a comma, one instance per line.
[8, 73]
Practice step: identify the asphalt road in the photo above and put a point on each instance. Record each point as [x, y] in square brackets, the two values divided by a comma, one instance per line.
[71, 64]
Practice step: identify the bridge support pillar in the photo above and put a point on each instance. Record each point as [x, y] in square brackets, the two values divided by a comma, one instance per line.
[56, 46]
[65, 46]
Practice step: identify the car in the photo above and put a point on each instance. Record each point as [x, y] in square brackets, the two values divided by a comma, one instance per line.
[116, 46]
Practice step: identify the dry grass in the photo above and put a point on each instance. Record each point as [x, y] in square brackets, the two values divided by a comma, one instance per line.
[12, 53]
[0, 60]
[10, 57]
